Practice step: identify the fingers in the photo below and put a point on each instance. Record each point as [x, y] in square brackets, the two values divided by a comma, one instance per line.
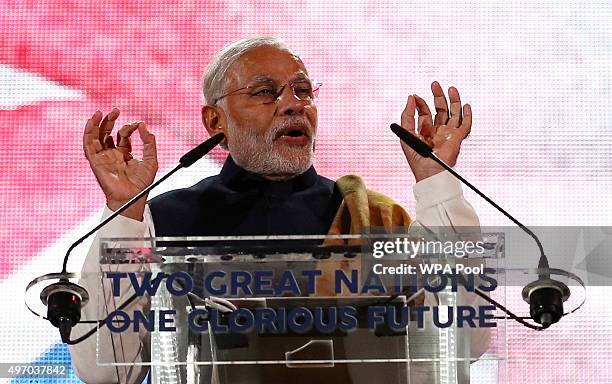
[466, 125]
[440, 104]
[106, 127]
[92, 148]
[408, 115]
[455, 108]
[455, 124]
[149, 151]
[425, 123]
[91, 144]
[124, 144]
[97, 137]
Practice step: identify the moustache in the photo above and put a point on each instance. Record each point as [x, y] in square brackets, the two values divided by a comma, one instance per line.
[292, 127]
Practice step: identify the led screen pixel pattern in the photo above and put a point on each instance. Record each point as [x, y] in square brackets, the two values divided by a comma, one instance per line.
[537, 77]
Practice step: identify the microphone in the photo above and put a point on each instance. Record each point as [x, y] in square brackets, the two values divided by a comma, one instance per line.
[544, 295]
[64, 299]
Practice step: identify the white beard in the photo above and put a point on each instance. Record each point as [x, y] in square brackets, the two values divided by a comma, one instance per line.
[259, 153]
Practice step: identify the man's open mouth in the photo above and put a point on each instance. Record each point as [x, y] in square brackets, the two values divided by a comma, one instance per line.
[293, 132]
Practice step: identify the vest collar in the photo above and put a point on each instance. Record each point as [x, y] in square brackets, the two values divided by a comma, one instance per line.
[236, 177]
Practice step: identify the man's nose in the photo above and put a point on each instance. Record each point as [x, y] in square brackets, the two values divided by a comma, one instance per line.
[288, 103]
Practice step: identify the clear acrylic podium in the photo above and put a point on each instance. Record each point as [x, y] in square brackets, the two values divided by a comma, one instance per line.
[307, 309]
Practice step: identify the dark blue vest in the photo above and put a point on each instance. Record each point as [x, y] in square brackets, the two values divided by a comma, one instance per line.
[238, 202]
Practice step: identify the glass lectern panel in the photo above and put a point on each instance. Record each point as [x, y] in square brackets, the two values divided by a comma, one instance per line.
[316, 309]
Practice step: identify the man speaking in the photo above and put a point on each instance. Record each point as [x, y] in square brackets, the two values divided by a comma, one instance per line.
[260, 95]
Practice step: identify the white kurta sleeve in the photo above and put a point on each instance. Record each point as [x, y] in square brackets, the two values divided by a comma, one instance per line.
[124, 347]
[440, 203]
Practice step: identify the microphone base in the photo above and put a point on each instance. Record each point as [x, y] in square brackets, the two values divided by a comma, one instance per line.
[546, 298]
[64, 301]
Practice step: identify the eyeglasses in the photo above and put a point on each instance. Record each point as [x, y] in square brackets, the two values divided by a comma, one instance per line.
[305, 90]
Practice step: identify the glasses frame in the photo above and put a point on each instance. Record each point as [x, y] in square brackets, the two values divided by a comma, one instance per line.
[279, 91]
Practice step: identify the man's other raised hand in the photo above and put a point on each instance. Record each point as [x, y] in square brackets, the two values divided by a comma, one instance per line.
[119, 175]
[444, 134]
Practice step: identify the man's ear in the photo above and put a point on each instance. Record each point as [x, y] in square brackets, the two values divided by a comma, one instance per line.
[215, 121]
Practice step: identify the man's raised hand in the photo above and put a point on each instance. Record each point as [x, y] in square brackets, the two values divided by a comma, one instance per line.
[444, 134]
[119, 175]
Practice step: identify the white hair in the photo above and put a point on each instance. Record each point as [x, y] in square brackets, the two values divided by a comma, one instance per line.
[213, 84]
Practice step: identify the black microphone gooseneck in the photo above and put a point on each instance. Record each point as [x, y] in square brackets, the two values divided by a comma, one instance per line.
[188, 159]
[545, 296]
[64, 299]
